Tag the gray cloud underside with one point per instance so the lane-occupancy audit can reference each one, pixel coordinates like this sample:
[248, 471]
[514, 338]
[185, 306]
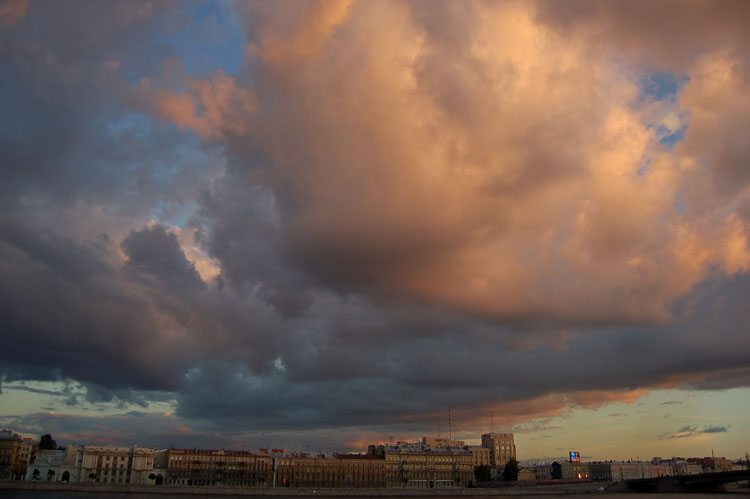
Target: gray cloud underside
[345, 360]
[693, 431]
[89, 291]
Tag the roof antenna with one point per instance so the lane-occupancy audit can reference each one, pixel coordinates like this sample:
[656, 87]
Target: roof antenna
[492, 422]
[450, 434]
[438, 423]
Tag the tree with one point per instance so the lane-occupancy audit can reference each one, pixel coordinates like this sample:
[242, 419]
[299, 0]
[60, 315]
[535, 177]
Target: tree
[556, 470]
[483, 473]
[46, 442]
[510, 473]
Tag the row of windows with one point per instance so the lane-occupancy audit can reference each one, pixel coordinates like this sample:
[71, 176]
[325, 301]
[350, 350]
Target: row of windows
[201, 465]
[223, 459]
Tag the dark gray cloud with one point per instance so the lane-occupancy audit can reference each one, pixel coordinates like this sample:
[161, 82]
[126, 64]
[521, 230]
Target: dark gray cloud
[714, 429]
[317, 319]
[155, 253]
[693, 431]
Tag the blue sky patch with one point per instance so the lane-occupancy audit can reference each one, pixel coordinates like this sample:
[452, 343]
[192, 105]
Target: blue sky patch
[212, 40]
[660, 85]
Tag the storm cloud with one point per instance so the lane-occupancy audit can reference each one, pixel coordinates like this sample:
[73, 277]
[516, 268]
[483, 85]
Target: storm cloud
[384, 208]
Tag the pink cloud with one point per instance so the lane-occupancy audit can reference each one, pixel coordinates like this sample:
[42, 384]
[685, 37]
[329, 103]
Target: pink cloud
[215, 107]
[498, 175]
[12, 11]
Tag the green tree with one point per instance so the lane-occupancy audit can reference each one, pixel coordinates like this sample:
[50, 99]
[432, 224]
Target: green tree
[46, 442]
[483, 473]
[510, 472]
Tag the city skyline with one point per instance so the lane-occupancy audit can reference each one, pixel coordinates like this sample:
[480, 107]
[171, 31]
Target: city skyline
[320, 223]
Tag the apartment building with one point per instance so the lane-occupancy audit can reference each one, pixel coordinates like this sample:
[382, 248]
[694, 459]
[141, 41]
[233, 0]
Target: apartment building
[480, 456]
[16, 452]
[232, 468]
[502, 448]
[337, 471]
[416, 465]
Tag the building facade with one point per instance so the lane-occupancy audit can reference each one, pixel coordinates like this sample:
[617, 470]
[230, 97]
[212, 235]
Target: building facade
[337, 471]
[16, 452]
[480, 456]
[619, 471]
[711, 464]
[416, 465]
[113, 464]
[502, 448]
[94, 464]
[526, 475]
[543, 472]
[218, 467]
[9, 446]
[576, 471]
[48, 465]
[441, 442]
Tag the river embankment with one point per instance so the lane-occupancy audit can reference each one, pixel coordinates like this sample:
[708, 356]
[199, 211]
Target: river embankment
[553, 489]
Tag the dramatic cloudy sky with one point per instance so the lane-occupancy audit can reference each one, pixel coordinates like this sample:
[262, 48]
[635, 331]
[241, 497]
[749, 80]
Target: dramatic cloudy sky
[314, 225]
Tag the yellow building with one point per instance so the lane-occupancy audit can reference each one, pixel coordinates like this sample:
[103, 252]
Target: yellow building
[337, 471]
[16, 452]
[502, 448]
[10, 445]
[480, 456]
[441, 442]
[419, 466]
[576, 471]
[218, 467]
[526, 475]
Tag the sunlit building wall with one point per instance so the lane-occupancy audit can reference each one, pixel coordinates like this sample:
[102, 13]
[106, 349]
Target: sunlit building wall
[194, 467]
[337, 471]
[419, 466]
[502, 448]
[480, 456]
[576, 471]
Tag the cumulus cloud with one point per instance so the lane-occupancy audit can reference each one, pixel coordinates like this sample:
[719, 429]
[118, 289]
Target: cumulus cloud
[387, 206]
[498, 181]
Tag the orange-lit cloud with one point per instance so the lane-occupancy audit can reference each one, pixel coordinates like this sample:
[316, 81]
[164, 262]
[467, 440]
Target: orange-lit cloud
[215, 108]
[11, 11]
[500, 174]
[383, 207]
